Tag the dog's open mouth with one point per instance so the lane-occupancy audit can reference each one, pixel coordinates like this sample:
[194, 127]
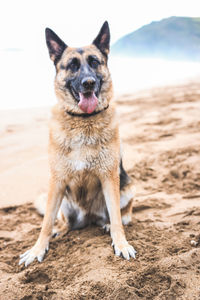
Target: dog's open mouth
[88, 102]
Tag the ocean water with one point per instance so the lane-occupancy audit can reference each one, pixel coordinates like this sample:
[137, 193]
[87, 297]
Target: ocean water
[130, 75]
[27, 76]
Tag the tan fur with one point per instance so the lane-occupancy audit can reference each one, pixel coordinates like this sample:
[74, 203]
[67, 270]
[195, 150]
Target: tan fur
[84, 157]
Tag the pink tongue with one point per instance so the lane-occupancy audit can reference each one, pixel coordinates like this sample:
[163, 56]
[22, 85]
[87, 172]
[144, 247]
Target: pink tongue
[88, 104]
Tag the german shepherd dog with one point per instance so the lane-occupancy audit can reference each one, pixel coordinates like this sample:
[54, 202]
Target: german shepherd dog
[88, 184]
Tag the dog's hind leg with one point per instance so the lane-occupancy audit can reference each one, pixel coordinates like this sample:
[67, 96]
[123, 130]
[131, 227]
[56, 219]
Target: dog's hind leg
[127, 192]
[62, 226]
[126, 213]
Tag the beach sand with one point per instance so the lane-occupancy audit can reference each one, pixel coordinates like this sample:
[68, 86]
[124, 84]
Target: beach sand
[160, 131]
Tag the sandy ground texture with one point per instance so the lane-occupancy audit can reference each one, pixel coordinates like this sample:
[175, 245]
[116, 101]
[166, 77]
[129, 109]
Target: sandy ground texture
[160, 130]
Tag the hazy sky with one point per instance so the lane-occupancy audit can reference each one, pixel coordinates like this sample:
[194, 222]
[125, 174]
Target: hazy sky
[22, 22]
[27, 76]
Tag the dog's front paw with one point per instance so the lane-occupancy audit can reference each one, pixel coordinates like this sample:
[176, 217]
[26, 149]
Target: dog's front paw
[37, 251]
[124, 249]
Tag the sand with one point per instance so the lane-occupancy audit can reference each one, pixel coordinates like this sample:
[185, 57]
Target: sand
[160, 131]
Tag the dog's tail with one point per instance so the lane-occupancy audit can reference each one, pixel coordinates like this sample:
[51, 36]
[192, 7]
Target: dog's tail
[40, 203]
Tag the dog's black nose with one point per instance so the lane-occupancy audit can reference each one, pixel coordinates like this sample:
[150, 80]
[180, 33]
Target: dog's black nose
[88, 83]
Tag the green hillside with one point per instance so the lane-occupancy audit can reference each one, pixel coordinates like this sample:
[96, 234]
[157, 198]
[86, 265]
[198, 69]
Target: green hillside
[172, 38]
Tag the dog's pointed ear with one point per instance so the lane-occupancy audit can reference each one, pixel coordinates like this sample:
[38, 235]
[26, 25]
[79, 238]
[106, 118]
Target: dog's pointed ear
[55, 45]
[102, 41]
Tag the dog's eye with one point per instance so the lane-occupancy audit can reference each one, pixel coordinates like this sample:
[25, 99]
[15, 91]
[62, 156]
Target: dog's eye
[74, 65]
[93, 62]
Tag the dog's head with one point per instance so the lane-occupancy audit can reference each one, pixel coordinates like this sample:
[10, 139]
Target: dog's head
[82, 83]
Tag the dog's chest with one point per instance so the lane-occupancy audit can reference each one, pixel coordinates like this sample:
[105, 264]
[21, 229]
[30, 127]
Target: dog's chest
[82, 152]
[86, 153]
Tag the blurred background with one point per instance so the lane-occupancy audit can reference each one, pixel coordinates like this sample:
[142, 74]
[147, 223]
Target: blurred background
[152, 42]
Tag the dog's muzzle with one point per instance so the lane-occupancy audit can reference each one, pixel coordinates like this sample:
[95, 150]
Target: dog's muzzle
[85, 90]
[88, 99]
[88, 83]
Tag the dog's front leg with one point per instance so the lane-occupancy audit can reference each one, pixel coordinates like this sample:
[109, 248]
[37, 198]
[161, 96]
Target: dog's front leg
[112, 197]
[55, 195]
